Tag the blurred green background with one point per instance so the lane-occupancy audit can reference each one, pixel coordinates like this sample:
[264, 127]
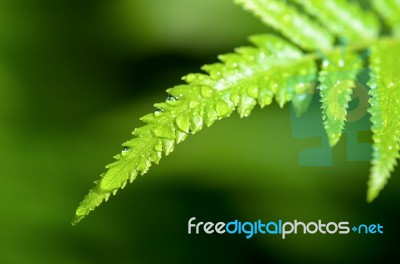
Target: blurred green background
[75, 76]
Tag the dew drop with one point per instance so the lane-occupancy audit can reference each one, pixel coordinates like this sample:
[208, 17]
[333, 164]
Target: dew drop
[159, 110]
[193, 104]
[215, 75]
[126, 149]
[325, 63]
[190, 78]
[300, 88]
[253, 91]
[222, 108]
[171, 98]
[206, 91]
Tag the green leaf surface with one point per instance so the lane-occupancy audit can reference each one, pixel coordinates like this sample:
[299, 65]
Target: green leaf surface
[275, 69]
[344, 19]
[241, 80]
[296, 26]
[385, 112]
[336, 83]
[390, 12]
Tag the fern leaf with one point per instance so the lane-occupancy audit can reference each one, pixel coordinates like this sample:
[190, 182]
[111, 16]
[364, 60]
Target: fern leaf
[292, 23]
[251, 75]
[336, 83]
[390, 12]
[385, 112]
[344, 19]
[275, 69]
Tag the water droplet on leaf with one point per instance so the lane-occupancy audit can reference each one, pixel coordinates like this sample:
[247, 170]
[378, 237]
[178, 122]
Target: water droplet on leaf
[171, 98]
[253, 91]
[222, 108]
[215, 75]
[193, 104]
[190, 78]
[206, 91]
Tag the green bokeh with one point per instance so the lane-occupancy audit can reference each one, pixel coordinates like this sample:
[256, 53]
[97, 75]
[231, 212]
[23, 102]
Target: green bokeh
[75, 76]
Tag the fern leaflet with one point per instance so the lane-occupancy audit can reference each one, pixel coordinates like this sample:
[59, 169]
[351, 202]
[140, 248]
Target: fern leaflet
[299, 28]
[344, 19]
[390, 12]
[385, 111]
[336, 83]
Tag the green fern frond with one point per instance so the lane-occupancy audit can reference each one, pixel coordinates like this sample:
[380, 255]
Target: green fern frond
[336, 82]
[251, 75]
[343, 18]
[385, 112]
[274, 68]
[390, 12]
[296, 26]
